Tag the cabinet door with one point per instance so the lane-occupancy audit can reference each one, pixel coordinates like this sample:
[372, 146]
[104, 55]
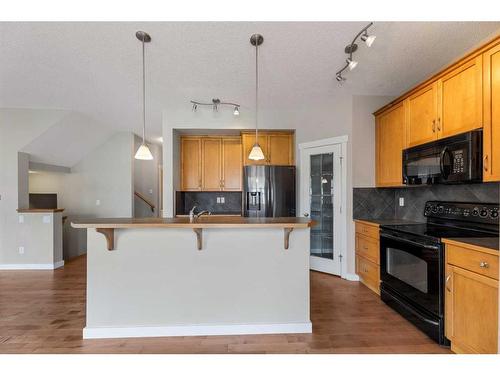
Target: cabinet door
[421, 115]
[460, 99]
[232, 164]
[471, 311]
[211, 175]
[491, 100]
[280, 149]
[248, 140]
[390, 142]
[191, 164]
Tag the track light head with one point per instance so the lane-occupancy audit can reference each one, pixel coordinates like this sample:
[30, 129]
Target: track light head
[352, 63]
[368, 39]
[236, 111]
[339, 77]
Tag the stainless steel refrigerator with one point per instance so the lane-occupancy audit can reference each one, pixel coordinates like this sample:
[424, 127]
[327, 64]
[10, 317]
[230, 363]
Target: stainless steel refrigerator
[268, 191]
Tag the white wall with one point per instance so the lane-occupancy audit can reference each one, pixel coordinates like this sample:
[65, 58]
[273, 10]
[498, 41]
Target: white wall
[146, 180]
[18, 127]
[105, 174]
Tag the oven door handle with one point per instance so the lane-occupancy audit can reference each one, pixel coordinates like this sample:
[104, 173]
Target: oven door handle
[385, 235]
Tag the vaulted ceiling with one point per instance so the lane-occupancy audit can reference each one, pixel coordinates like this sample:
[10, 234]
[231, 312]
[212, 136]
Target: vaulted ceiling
[95, 68]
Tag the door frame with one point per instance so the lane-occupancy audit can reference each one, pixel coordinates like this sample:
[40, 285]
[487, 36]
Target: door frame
[303, 183]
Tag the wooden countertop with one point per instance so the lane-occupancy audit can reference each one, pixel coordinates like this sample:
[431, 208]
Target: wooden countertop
[202, 222]
[488, 245]
[39, 210]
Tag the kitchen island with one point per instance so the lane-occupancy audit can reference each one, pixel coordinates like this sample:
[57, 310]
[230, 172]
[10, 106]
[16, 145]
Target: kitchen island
[214, 276]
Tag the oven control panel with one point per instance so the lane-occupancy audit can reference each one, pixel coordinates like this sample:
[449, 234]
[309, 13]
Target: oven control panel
[477, 212]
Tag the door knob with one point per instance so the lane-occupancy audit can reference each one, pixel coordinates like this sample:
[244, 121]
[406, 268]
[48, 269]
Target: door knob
[306, 215]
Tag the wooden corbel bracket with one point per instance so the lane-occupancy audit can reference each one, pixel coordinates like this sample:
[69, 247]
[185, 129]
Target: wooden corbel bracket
[109, 233]
[287, 232]
[199, 237]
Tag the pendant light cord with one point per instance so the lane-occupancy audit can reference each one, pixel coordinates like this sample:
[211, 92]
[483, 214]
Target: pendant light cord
[256, 90]
[143, 95]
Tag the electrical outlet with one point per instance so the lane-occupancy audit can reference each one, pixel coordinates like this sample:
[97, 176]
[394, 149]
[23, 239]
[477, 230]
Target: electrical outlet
[218, 200]
[98, 202]
[21, 219]
[21, 250]
[401, 201]
[222, 200]
[150, 191]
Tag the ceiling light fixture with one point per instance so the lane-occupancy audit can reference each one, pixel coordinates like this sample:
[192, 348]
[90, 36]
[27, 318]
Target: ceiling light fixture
[215, 104]
[353, 47]
[256, 152]
[143, 152]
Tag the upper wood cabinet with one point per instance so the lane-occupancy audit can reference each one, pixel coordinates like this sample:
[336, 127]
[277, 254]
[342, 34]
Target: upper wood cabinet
[190, 163]
[390, 142]
[421, 116]
[211, 163]
[460, 99]
[232, 164]
[491, 111]
[278, 148]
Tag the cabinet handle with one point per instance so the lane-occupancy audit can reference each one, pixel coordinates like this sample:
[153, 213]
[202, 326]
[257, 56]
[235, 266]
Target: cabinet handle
[434, 125]
[446, 282]
[199, 183]
[485, 163]
[484, 265]
[439, 124]
[365, 247]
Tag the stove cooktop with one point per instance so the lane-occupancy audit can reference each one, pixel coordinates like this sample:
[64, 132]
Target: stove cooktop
[439, 231]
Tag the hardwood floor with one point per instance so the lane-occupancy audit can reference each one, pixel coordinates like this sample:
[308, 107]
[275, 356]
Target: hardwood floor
[44, 312]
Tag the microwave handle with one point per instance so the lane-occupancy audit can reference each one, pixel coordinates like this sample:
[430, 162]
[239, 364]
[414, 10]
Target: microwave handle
[441, 162]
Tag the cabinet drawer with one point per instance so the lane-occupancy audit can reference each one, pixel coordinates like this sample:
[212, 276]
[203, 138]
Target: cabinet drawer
[369, 273]
[368, 230]
[472, 260]
[368, 247]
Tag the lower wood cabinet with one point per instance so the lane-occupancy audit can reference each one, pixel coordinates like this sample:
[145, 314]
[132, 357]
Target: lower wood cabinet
[211, 163]
[367, 254]
[471, 299]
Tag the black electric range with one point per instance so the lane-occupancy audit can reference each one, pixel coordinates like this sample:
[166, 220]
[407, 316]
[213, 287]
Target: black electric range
[412, 261]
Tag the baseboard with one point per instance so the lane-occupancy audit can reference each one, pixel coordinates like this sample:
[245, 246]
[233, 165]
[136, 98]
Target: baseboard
[351, 277]
[32, 266]
[195, 330]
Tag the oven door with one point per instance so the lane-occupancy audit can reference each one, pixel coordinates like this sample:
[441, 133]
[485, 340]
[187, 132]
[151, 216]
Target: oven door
[412, 270]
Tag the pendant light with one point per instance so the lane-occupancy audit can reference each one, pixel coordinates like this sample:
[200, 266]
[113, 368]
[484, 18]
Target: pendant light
[143, 152]
[256, 153]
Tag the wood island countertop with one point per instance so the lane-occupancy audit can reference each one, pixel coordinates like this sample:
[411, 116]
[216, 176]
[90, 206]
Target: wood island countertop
[202, 222]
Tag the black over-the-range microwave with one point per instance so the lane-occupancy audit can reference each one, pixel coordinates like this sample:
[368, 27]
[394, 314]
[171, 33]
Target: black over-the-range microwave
[452, 160]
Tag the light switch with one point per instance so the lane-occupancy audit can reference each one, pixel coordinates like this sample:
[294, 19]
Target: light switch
[21, 219]
[150, 191]
[46, 219]
[21, 250]
[218, 199]
[98, 202]
[222, 200]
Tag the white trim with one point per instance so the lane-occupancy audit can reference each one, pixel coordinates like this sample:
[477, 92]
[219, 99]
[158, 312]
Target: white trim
[32, 266]
[351, 277]
[324, 142]
[195, 330]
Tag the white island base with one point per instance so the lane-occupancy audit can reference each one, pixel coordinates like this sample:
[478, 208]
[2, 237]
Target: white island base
[155, 282]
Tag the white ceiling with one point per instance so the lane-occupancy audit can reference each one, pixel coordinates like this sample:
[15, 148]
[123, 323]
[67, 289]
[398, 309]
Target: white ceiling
[95, 68]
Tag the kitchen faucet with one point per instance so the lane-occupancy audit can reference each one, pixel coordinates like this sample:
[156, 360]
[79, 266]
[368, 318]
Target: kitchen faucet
[193, 216]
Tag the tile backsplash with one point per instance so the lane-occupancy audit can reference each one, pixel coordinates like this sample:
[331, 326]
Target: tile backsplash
[383, 203]
[207, 200]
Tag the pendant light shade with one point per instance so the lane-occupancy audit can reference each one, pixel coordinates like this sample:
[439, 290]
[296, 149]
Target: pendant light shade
[256, 152]
[143, 152]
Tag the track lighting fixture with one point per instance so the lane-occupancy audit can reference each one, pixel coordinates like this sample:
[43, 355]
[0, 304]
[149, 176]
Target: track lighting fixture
[368, 39]
[215, 104]
[351, 63]
[353, 47]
